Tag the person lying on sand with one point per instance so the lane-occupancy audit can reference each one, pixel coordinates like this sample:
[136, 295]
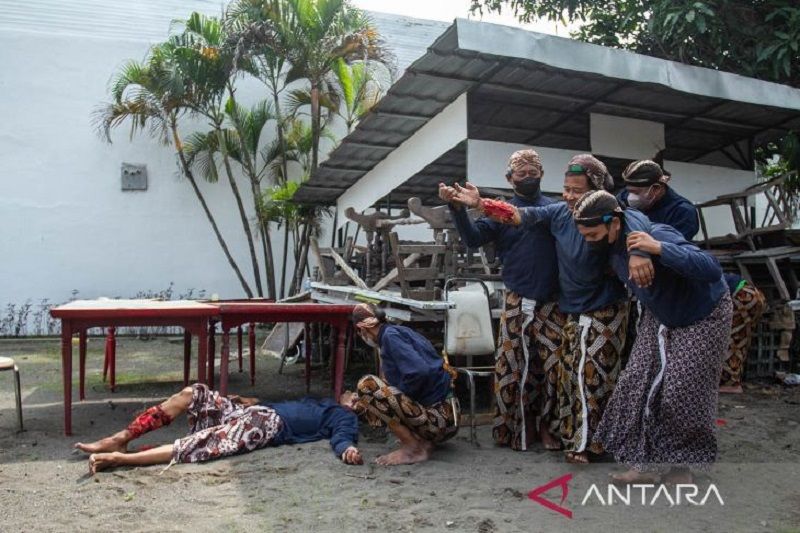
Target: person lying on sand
[221, 426]
[413, 396]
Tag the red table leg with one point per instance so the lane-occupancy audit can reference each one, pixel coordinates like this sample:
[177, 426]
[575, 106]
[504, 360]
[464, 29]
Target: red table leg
[224, 362]
[82, 364]
[112, 356]
[201, 330]
[338, 382]
[106, 360]
[212, 351]
[307, 342]
[66, 373]
[239, 344]
[187, 355]
[251, 335]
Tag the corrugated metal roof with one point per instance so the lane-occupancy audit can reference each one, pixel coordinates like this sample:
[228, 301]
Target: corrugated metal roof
[536, 89]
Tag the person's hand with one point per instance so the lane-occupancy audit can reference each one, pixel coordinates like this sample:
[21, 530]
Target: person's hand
[639, 240]
[352, 456]
[467, 195]
[447, 193]
[243, 400]
[641, 270]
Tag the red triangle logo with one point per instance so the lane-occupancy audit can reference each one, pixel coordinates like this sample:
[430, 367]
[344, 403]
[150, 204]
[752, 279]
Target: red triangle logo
[562, 482]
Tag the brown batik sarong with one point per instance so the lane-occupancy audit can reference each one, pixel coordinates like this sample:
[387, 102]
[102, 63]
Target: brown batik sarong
[748, 305]
[381, 404]
[588, 371]
[220, 427]
[526, 370]
[663, 411]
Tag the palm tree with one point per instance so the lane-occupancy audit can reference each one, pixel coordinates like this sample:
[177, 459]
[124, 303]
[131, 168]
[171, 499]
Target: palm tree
[151, 96]
[201, 53]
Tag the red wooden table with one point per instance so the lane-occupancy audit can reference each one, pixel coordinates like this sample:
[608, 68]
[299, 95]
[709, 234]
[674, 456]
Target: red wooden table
[234, 314]
[78, 316]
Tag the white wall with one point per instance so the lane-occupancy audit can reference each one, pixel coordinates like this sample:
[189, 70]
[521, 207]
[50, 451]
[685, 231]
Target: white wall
[66, 223]
[487, 162]
[437, 136]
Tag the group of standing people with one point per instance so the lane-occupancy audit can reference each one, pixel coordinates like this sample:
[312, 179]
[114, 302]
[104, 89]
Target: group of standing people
[571, 270]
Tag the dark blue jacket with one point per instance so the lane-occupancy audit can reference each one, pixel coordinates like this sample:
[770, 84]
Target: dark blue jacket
[585, 282]
[312, 419]
[410, 363]
[673, 210]
[528, 257]
[688, 282]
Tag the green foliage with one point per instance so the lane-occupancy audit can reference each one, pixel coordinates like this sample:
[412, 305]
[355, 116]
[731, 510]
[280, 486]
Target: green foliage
[322, 46]
[758, 38]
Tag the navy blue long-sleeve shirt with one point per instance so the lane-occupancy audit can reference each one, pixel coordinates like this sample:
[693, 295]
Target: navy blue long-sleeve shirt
[584, 280]
[530, 267]
[673, 210]
[688, 282]
[313, 419]
[410, 363]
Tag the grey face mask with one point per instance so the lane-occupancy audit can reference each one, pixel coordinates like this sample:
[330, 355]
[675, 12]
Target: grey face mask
[640, 202]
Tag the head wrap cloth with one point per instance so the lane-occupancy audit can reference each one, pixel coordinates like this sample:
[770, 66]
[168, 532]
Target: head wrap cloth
[594, 170]
[644, 173]
[523, 158]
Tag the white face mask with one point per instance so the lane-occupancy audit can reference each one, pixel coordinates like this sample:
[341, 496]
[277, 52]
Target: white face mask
[640, 202]
[368, 341]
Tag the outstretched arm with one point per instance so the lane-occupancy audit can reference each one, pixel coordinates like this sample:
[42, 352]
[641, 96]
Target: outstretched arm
[473, 233]
[344, 435]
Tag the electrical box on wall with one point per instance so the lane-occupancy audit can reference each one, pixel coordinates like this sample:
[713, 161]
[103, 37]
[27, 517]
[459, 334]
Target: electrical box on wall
[134, 177]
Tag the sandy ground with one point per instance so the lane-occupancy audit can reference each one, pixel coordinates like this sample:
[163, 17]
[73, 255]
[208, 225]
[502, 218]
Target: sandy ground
[45, 487]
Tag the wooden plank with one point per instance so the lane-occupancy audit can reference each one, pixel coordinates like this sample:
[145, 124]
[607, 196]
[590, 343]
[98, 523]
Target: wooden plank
[392, 275]
[422, 248]
[776, 275]
[422, 274]
[349, 272]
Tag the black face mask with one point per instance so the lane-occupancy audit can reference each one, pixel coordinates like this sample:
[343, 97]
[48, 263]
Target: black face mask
[600, 246]
[528, 187]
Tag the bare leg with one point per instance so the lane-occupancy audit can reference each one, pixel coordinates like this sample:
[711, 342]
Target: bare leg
[634, 476]
[118, 442]
[731, 389]
[679, 476]
[412, 448]
[155, 456]
[548, 440]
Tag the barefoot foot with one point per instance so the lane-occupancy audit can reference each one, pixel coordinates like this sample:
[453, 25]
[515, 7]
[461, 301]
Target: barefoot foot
[549, 441]
[406, 455]
[678, 476]
[577, 458]
[108, 444]
[102, 461]
[731, 389]
[632, 476]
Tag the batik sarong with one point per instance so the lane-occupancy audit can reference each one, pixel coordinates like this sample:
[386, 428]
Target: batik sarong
[220, 427]
[588, 372]
[526, 370]
[382, 404]
[748, 305]
[663, 411]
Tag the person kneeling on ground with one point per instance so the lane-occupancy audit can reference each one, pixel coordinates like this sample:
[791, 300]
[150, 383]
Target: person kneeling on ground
[413, 396]
[221, 426]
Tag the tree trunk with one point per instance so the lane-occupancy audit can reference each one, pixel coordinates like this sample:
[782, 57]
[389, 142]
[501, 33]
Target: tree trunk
[285, 257]
[188, 173]
[300, 266]
[315, 118]
[242, 213]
